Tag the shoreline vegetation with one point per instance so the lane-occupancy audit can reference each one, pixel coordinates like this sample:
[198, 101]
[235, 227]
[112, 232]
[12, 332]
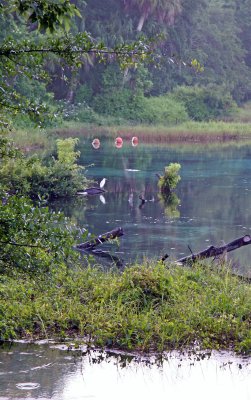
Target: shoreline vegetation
[145, 308]
[56, 80]
[152, 307]
[205, 132]
[211, 133]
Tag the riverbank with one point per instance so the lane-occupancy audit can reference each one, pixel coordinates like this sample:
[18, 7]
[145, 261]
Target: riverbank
[144, 308]
[211, 133]
[205, 132]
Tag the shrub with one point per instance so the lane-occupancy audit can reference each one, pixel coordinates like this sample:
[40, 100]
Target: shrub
[205, 103]
[163, 110]
[61, 177]
[119, 103]
[83, 95]
[153, 110]
[33, 239]
[170, 179]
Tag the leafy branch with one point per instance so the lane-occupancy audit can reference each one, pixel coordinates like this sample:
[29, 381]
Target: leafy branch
[22, 245]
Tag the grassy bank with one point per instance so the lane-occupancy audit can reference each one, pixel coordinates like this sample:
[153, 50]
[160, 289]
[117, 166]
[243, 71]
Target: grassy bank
[214, 131]
[31, 139]
[145, 308]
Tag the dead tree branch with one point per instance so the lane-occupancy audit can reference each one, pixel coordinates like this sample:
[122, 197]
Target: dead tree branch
[117, 232]
[213, 251]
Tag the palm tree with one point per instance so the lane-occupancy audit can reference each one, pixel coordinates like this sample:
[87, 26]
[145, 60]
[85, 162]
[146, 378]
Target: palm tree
[162, 10]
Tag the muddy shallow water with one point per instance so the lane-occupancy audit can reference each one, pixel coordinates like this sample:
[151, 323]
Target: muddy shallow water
[56, 372]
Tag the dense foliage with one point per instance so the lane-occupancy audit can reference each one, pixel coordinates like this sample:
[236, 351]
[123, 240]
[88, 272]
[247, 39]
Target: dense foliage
[42, 65]
[33, 239]
[59, 176]
[214, 32]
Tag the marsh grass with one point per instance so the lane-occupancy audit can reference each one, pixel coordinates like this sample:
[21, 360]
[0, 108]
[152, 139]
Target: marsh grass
[144, 308]
[209, 132]
[31, 139]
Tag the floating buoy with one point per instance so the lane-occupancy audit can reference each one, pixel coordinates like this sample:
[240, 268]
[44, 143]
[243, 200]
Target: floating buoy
[135, 141]
[96, 143]
[118, 142]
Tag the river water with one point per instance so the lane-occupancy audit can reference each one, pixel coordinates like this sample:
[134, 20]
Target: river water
[49, 371]
[211, 204]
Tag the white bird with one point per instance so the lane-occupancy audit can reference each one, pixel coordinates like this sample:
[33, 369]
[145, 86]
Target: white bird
[102, 183]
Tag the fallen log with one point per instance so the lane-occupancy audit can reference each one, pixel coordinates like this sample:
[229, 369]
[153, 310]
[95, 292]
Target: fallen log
[90, 244]
[213, 251]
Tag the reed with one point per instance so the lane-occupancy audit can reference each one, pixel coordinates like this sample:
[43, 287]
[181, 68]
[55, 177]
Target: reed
[214, 131]
[31, 139]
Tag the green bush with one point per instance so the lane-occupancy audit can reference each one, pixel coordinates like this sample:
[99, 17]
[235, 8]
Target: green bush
[33, 239]
[62, 177]
[170, 179]
[86, 114]
[34, 90]
[205, 103]
[40, 109]
[83, 95]
[153, 110]
[163, 110]
[119, 103]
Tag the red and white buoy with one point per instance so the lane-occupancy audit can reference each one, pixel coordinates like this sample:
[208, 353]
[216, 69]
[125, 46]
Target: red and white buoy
[96, 143]
[118, 142]
[135, 141]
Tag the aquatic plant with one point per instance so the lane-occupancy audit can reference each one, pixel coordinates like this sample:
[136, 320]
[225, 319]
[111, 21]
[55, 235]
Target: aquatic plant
[170, 179]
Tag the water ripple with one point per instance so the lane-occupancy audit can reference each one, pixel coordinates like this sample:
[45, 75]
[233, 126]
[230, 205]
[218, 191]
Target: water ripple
[27, 385]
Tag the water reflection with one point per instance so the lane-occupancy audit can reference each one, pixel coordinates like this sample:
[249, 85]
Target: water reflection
[47, 372]
[170, 204]
[211, 203]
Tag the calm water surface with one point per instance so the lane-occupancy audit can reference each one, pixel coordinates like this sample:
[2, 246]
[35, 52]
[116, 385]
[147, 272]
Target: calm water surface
[46, 372]
[212, 202]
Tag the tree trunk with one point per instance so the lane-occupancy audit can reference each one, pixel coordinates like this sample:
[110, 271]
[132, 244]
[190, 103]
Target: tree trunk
[141, 22]
[139, 29]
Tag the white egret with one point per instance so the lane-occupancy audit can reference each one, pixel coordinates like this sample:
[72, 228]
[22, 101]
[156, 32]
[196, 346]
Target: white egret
[102, 183]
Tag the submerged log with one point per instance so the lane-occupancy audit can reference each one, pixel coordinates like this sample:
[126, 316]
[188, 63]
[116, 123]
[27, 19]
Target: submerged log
[213, 251]
[117, 232]
[110, 257]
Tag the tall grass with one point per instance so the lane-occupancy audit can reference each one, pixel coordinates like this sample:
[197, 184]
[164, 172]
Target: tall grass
[214, 131]
[31, 139]
[144, 308]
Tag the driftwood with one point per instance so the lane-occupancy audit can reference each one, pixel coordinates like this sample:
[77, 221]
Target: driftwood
[89, 246]
[213, 251]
